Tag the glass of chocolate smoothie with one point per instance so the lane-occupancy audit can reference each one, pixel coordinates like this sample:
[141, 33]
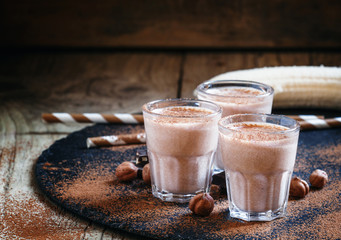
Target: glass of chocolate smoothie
[182, 136]
[236, 96]
[258, 152]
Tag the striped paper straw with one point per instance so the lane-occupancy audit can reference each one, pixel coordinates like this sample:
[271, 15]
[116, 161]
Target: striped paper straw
[309, 124]
[125, 118]
[305, 117]
[114, 140]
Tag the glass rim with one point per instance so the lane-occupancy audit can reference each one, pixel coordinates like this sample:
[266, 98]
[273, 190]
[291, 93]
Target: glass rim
[201, 88]
[292, 129]
[217, 111]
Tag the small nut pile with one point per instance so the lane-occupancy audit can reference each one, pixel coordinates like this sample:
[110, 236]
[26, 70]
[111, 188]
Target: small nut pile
[300, 188]
[127, 171]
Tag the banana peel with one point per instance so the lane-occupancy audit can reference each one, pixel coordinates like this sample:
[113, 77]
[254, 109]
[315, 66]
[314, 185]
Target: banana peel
[296, 86]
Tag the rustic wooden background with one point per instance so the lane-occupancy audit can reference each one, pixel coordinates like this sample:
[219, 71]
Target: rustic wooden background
[171, 23]
[112, 56]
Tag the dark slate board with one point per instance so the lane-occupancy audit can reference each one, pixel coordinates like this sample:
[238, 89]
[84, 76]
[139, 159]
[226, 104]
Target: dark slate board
[82, 181]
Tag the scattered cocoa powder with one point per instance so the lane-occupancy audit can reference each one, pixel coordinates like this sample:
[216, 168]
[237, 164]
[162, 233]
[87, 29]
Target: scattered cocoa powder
[327, 225]
[49, 166]
[27, 216]
[8, 153]
[333, 152]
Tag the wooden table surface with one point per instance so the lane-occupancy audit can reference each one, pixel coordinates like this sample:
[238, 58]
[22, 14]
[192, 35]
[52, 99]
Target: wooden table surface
[34, 82]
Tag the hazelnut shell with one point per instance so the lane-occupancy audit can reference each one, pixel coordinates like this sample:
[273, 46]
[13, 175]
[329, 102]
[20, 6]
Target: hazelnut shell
[298, 187]
[146, 174]
[126, 171]
[318, 178]
[202, 204]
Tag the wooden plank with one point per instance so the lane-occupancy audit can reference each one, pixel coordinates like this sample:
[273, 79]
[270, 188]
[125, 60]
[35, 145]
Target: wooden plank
[24, 212]
[201, 66]
[7, 155]
[24, 206]
[326, 58]
[81, 82]
[191, 23]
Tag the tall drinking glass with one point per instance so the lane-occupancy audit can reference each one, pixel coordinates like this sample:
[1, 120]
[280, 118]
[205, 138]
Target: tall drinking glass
[258, 153]
[236, 96]
[182, 136]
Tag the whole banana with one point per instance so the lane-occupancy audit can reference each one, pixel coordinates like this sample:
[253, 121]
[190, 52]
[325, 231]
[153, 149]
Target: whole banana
[296, 86]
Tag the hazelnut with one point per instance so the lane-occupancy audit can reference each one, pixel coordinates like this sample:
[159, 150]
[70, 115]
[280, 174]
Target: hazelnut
[202, 204]
[318, 178]
[298, 187]
[126, 171]
[146, 174]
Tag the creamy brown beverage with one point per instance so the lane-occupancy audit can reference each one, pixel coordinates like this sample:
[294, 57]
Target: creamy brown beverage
[181, 142]
[259, 158]
[234, 97]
